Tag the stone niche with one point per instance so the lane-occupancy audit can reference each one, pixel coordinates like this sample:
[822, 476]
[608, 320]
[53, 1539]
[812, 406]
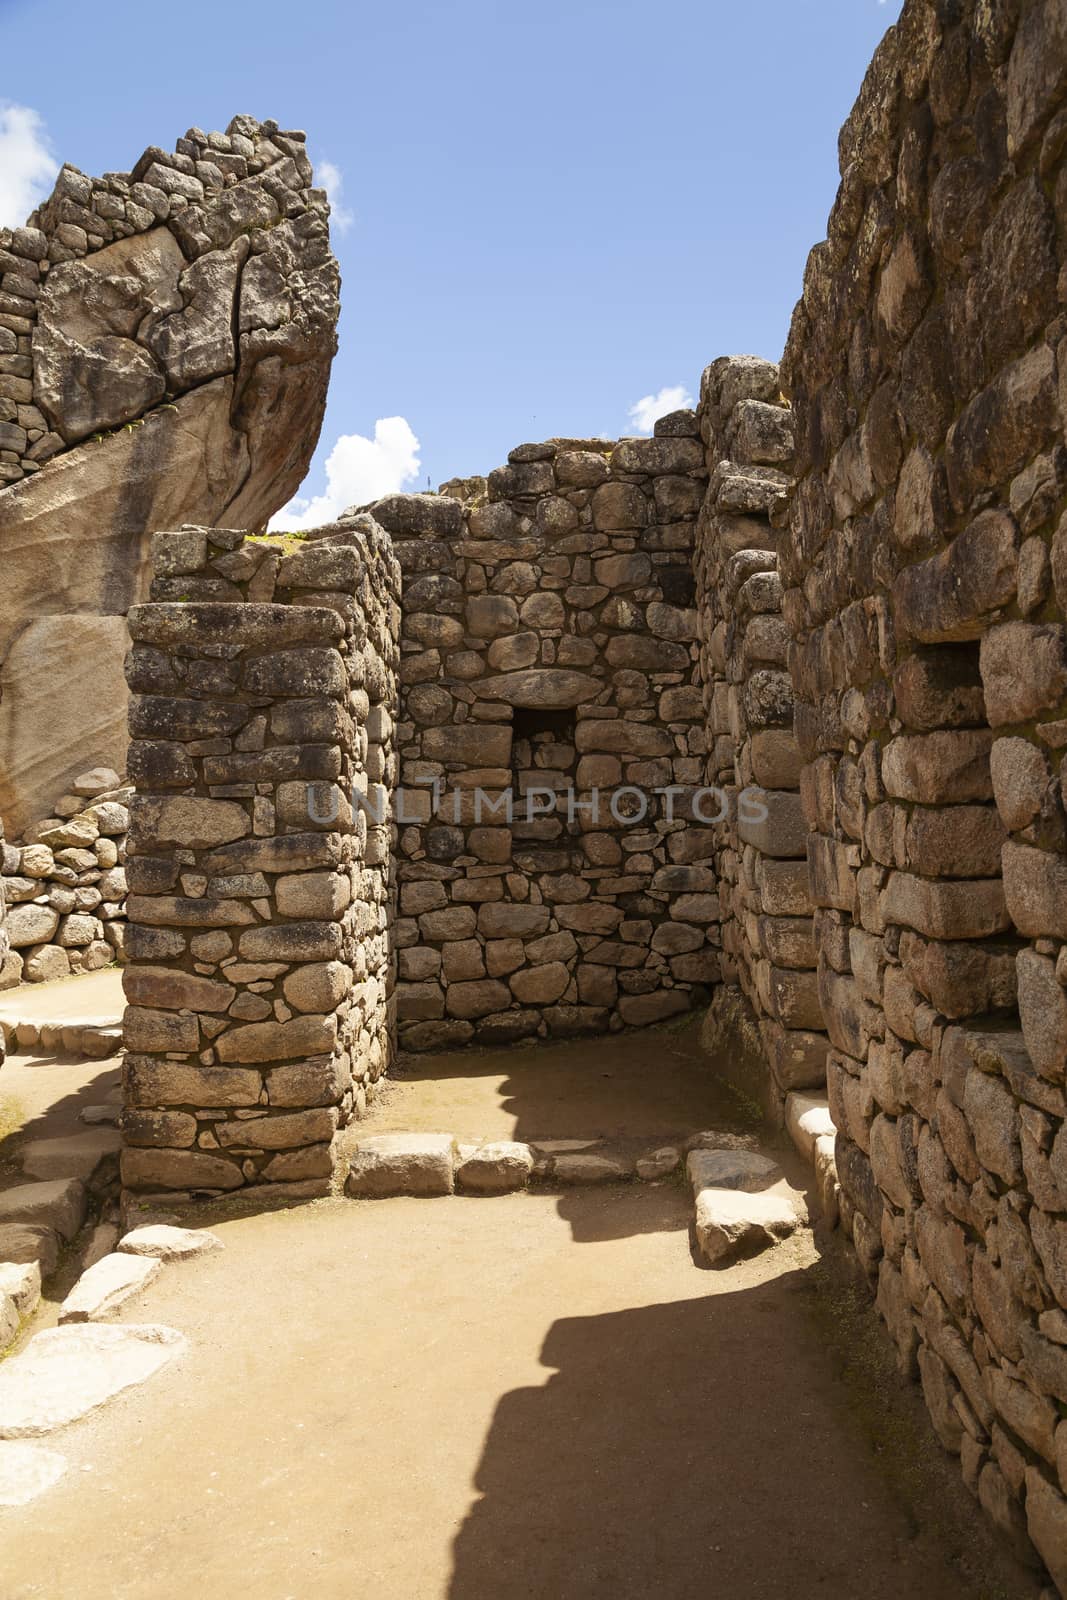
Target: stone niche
[549, 665]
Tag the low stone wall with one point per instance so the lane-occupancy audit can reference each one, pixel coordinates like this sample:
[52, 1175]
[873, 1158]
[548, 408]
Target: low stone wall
[752, 754]
[926, 589]
[64, 884]
[549, 663]
[260, 900]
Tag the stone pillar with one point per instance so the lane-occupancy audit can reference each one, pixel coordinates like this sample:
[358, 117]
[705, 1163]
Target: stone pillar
[259, 899]
[752, 754]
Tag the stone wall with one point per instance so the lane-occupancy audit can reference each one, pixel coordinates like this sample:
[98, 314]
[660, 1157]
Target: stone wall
[769, 990]
[259, 899]
[926, 587]
[165, 345]
[548, 643]
[64, 884]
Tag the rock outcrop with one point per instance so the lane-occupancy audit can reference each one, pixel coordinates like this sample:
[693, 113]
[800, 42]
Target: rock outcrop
[165, 346]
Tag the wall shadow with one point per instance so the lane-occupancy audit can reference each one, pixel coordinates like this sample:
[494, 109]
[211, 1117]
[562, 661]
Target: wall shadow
[691, 1451]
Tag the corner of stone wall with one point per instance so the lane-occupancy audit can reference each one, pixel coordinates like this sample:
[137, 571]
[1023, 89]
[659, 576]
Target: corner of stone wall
[258, 979]
[770, 989]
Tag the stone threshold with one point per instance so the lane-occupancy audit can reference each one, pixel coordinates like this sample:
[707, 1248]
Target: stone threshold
[75, 1038]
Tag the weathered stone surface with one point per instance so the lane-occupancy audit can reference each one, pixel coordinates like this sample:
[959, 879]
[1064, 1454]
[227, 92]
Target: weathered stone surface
[26, 1471]
[734, 1222]
[65, 1372]
[21, 1283]
[58, 1204]
[177, 1169]
[107, 1285]
[402, 1163]
[494, 1168]
[590, 1166]
[731, 1169]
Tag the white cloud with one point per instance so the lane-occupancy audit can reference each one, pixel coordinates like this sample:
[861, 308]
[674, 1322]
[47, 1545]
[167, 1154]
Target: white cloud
[332, 180]
[648, 410]
[27, 166]
[357, 470]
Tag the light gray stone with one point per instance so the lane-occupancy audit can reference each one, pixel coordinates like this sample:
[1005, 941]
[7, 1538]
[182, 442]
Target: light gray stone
[106, 1285]
[167, 1243]
[65, 1372]
[402, 1163]
[733, 1222]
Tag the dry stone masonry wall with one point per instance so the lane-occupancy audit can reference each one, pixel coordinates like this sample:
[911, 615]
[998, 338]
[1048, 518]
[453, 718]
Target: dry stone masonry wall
[769, 990]
[259, 898]
[64, 885]
[549, 664]
[926, 589]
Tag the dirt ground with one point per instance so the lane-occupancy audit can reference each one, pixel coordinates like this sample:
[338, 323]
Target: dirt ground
[536, 1396]
[649, 1085]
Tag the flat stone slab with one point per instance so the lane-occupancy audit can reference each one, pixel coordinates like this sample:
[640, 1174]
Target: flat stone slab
[494, 1168]
[76, 1156]
[21, 1282]
[104, 1286]
[92, 1116]
[65, 1372]
[402, 1163]
[168, 1244]
[731, 1169]
[58, 1204]
[27, 1470]
[587, 1167]
[733, 1222]
[807, 1116]
[26, 1242]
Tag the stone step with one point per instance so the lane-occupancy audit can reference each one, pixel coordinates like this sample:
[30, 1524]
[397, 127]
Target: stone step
[78, 1155]
[77, 1038]
[388, 1164]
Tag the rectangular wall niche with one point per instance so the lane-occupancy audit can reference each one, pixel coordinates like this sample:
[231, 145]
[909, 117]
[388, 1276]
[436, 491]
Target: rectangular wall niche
[548, 641]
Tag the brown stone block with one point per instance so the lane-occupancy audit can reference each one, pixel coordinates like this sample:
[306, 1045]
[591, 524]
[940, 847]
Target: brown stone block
[954, 842]
[178, 1169]
[148, 1030]
[851, 1021]
[292, 941]
[174, 990]
[152, 1082]
[1024, 670]
[162, 910]
[954, 595]
[1035, 887]
[958, 909]
[186, 820]
[285, 1132]
[939, 768]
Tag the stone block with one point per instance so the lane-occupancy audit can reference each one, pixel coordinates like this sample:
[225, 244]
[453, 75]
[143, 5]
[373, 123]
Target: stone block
[107, 1285]
[498, 1167]
[402, 1163]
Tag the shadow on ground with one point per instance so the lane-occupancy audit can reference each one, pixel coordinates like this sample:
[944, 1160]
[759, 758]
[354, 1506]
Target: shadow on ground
[708, 1448]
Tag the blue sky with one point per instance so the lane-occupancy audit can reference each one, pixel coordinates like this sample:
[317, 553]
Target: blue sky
[553, 210]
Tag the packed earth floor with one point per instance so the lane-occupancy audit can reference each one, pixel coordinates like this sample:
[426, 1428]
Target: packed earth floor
[538, 1395]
